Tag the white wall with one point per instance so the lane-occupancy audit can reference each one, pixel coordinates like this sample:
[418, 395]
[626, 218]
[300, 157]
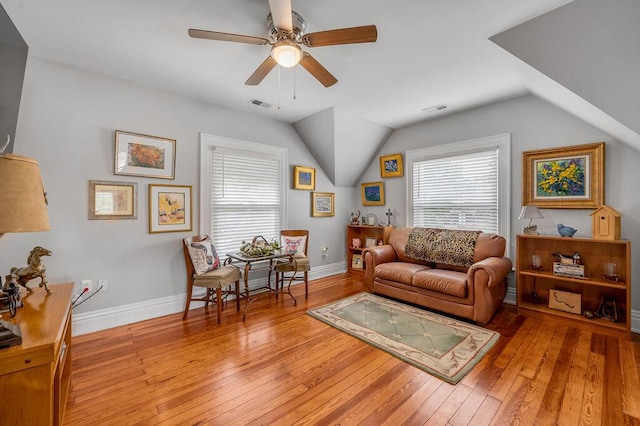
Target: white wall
[533, 124]
[67, 121]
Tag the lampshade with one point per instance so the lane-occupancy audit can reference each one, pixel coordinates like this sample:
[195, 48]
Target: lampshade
[286, 53]
[530, 212]
[22, 197]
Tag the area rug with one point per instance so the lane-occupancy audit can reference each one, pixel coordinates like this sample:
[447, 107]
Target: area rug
[441, 346]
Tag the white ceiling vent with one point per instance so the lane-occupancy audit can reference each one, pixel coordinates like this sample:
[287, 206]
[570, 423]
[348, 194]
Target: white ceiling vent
[259, 103]
[435, 108]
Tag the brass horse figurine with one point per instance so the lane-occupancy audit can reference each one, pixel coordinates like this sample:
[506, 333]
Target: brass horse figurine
[34, 269]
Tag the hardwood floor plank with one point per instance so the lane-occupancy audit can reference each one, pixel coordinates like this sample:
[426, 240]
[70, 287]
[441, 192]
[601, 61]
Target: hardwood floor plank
[469, 408]
[282, 367]
[631, 383]
[591, 413]
[572, 402]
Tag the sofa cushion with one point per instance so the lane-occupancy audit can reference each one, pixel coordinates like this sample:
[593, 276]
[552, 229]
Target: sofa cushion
[453, 283]
[203, 255]
[399, 271]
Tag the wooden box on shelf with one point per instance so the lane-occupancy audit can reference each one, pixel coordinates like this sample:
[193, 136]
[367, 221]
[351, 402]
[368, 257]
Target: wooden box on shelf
[362, 233]
[534, 283]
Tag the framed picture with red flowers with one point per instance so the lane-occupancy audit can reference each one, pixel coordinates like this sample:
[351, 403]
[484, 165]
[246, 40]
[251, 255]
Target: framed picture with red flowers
[144, 155]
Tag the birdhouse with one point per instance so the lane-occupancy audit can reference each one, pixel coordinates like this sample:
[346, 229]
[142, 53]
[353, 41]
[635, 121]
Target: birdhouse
[606, 223]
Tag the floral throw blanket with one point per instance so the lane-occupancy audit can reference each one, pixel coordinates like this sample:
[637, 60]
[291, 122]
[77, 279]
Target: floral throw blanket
[446, 246]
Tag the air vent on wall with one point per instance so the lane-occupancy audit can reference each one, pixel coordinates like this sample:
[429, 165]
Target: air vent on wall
[259, 103]
[435, 108]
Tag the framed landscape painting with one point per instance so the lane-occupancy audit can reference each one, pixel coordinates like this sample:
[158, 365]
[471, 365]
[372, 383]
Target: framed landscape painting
[372, 194]
[169, 208]
[144, 155]
[570, 177]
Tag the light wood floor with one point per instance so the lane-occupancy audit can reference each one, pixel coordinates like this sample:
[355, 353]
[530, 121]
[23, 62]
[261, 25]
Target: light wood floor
[284, 367]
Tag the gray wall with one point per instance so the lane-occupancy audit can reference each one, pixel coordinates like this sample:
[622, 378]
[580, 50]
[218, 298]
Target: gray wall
[68, 117]
[67, 121]
[533, 124]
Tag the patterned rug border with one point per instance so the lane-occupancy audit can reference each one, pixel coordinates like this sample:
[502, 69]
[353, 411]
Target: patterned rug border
[481, 340]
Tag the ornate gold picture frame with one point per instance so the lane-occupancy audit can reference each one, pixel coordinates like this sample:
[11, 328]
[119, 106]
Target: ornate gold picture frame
[304, 178]
[322, 204]
[372, 194]
[570, 177]
[391, 166]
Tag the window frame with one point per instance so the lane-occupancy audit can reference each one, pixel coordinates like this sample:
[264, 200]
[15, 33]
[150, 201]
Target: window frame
[207, 143]
[500, 142]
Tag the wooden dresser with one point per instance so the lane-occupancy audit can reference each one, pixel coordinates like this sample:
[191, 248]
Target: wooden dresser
[35, 376]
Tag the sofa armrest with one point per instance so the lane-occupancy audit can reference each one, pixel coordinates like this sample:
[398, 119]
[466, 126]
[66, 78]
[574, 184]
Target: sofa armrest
[496, 268]
[376, 255]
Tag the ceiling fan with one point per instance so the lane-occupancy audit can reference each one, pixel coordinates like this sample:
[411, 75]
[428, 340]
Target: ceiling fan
[286, 29]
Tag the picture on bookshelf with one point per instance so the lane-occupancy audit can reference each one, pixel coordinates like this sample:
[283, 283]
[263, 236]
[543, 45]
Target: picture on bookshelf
[565, 301]
[369, 241]
[356, 261]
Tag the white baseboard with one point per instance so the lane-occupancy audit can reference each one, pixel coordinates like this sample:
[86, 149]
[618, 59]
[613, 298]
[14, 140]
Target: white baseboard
[510, 299]
[102, 319]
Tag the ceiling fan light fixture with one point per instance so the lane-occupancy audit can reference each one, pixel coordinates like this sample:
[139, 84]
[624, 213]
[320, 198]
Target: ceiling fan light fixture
[286, 53]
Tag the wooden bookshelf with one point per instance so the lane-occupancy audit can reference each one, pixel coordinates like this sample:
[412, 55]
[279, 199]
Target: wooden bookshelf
[363, 232]
[593, 254]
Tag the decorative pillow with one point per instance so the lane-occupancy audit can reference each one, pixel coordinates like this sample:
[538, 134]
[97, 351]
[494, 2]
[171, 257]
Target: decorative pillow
[293, 245]
[203, 256]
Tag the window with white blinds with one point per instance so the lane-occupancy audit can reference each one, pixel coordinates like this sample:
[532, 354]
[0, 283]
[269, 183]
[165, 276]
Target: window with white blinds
[245, 194]
[461, 186]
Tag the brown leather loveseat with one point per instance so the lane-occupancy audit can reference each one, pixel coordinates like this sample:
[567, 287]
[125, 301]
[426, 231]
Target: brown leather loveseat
[458, 272]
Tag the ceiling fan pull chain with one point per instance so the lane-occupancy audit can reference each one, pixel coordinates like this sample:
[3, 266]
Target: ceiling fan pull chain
[294, 84]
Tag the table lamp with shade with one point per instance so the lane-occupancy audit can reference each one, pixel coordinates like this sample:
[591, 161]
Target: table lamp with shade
[530, 212]
[23, 208]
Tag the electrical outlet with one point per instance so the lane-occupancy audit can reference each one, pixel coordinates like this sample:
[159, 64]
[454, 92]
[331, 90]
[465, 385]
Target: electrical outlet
[87, 284]
[103, 284]
[325, 251]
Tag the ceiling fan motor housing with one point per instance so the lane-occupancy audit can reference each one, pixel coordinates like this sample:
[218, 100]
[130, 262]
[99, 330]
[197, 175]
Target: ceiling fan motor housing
[298, 24]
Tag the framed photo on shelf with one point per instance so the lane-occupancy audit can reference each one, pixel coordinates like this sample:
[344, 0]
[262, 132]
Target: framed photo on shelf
[356, 261]
[322, 204]
[370, 241]
[169, 208]
[570, 177]
[372, 194]
[304, 178]
[113, 200]
[144, 155]
[391, 166]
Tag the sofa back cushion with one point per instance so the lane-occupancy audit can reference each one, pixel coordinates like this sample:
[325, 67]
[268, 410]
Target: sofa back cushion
[487, 245]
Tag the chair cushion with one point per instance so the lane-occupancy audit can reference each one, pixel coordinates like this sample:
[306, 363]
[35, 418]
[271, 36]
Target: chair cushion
[219, 277]
[301, 264]
[293, 244]
[203, 255]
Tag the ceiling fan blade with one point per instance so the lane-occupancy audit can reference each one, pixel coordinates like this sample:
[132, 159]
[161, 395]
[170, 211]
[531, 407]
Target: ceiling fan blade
[364, 34]
[238, 38]
[281, 14]
[262, 71]
[314, 67]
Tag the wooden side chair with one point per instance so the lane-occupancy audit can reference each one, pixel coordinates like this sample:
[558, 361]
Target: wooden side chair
[204, 270]
[297, 242]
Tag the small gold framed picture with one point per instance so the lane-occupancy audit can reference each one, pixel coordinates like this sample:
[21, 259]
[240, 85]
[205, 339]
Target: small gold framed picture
[391, 166]
[322, 204]
[304, 178]
[113, 200]
[372, 194]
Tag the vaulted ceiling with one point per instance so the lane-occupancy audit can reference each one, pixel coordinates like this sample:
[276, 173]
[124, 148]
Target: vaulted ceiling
[428, 53]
